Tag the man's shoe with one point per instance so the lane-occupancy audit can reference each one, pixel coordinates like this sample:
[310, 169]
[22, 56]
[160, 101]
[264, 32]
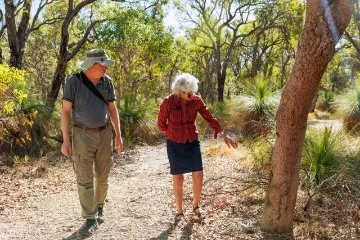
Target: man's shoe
[88, 228]
[101, 216]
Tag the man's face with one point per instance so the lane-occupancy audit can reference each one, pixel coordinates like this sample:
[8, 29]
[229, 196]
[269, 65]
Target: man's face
[98, 69]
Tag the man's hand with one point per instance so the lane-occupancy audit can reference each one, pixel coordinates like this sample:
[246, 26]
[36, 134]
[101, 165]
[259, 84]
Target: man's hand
[65, 122]
[118, 145]
[66, 149]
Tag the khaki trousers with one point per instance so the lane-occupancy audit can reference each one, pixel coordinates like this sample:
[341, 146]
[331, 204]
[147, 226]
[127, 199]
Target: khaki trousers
[92, 158]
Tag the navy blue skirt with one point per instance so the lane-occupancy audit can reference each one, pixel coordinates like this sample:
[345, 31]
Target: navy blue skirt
[184, 157]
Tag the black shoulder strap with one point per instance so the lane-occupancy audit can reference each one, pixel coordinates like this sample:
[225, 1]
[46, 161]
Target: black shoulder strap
[90, 86]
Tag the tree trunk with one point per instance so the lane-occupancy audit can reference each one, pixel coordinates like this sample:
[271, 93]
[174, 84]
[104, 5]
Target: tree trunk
[17, 36]
[324, 24]
[64, 55]
[59, 75]
[221, 84]
[58, 79]
[1, 56]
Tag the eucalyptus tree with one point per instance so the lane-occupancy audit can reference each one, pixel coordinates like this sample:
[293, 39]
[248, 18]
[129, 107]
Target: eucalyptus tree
[325, 22]
[67, 50]
[19, 24]
[142, 49]
[270, 53]
[201, 62]
[227, 24]
[2, 31]
[353, 33]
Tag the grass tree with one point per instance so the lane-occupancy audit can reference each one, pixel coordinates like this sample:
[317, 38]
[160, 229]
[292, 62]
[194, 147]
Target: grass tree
[259, 100]
[258, 103]
[326, 100]
[322, 154]
[348, 105]
[329, 164]
[137, 124]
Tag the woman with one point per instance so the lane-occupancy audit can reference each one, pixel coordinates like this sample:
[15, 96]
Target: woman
[177, 119]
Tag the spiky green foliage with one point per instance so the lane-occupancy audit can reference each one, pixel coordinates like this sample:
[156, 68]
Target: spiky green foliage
[138, 122]
[330, 161]
[130, 118]
[348, 105]
[322, 154]
[326, 100]
[259, 100]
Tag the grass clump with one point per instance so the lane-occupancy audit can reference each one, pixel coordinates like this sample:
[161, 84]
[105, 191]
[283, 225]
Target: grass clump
[348, 105]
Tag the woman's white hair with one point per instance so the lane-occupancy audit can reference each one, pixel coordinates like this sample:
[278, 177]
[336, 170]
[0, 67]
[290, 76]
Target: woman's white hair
[185, 82]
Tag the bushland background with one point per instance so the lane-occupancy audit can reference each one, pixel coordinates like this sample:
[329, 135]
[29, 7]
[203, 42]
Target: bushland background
[242, 52]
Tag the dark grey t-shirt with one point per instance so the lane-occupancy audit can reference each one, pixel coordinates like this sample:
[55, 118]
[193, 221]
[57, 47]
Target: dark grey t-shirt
[88, 109]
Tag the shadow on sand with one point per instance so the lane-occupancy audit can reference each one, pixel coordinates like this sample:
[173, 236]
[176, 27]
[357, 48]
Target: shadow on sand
[186, 230]
[77, 236]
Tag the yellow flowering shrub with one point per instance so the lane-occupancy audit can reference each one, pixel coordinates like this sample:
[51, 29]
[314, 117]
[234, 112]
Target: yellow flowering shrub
[12, 90]
[14, 122]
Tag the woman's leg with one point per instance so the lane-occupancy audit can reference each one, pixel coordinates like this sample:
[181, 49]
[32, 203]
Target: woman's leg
[197, 187]
[178, 181]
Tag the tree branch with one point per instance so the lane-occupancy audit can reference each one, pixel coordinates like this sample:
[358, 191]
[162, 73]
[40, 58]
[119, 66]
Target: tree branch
[80, 6]
[77, 46]
[36, 16]
[23, 25]
[46, 22]
[353, 43]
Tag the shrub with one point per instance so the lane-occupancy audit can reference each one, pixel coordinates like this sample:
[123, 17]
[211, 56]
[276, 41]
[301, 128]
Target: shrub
[12, 90]
[260, 152]
[14, 122]
[21, 128]
[135, 125]
[330, 165]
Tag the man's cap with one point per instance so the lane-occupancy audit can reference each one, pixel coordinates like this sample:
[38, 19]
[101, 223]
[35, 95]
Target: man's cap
[96, 56]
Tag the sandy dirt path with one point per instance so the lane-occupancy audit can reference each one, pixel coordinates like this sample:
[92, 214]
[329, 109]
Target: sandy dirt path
[140, 204]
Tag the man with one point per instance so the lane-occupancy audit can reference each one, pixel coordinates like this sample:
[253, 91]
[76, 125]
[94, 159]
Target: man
[91, 146]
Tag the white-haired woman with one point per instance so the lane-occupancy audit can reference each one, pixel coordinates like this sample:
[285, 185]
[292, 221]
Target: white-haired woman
[177, 119]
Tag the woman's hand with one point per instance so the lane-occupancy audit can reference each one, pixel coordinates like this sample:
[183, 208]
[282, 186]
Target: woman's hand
[230, 142]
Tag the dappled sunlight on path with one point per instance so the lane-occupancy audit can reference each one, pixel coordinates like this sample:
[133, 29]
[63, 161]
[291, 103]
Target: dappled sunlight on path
[334, 124]
[140, 204]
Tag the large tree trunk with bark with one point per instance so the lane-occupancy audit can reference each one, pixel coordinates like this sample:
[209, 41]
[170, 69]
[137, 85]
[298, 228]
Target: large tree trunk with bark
[59, 75]
[64, 54]
[326, 20]
[19, 26]
[221, 86]
[58, 79]
[17, 35]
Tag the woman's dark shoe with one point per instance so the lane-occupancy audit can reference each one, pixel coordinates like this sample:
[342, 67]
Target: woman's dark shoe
[197, 211]
[88, 228]
[179, 216]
